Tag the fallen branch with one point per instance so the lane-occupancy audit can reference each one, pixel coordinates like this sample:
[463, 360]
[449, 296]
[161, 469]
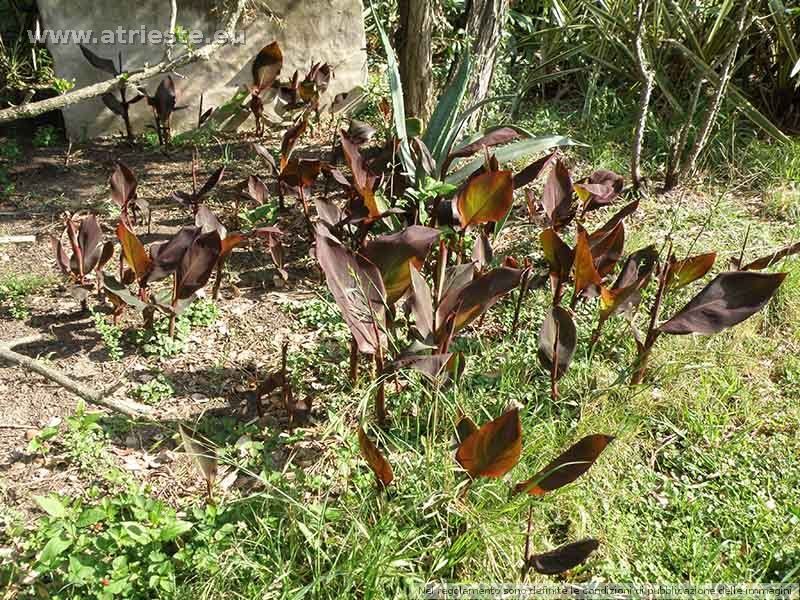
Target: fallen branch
[17, 239]
[35, 109]
[128, 408]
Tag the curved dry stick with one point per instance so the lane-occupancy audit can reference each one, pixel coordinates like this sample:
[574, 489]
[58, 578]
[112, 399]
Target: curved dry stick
[128, 408]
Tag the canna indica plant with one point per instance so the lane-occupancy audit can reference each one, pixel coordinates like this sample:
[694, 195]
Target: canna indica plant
[494, 449]
[728, 300]
[89, 253]
[266, 67]
[119, 106]
[194, 199]
[163, 104]
[190, 257]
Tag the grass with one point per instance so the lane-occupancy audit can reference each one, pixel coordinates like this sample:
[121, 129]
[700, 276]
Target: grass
[700, 484]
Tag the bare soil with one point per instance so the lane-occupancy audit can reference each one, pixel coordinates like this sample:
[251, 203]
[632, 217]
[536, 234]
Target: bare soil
[218, 373]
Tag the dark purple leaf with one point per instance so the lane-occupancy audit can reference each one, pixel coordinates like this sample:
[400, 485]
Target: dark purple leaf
[104, 64]
[770, 259]
[210, 183]
[728, 300]
[531, 173]
[197, 264]
[496, 137]
[557, 197]
[557, 334]
[123, 185]
[478, 296]
[112, 104]
[395, 253]
[357, 287]
[563, 558]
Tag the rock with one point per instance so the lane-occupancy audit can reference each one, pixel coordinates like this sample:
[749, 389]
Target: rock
[310, 31]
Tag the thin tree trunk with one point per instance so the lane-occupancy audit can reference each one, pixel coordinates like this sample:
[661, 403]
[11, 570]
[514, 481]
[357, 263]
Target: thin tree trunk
[716, 104]
[34, 109]
[676, 154]
[413, 41]
[485, 25]
[648, 78]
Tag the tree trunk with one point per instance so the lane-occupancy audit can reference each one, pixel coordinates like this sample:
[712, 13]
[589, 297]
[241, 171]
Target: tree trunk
[648, 78]
[413, 41]
[485, 25]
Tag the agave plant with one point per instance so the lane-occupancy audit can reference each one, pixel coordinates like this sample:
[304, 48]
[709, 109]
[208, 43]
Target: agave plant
[441, 136]
[119, 106]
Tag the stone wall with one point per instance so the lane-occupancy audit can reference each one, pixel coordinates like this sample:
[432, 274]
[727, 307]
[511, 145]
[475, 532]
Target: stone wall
[308, 31]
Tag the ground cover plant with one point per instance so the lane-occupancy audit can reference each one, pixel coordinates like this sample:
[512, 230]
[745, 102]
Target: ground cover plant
[357, 352]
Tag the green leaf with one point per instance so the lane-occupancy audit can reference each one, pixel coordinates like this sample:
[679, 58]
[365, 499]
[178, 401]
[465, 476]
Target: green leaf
[444, 115]
[137, 532]
[735, 96]
[398, 105]
[52, 506]
[90, 516]
[78, 572]
[175, 530]
[513, 152]
[779, 14]
[53, 549]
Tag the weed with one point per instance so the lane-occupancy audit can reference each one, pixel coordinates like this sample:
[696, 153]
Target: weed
[157, 340]
[202, 313]
[14, 290]
[155, 391]
[45, 136]
[10, 150]
[110, 334]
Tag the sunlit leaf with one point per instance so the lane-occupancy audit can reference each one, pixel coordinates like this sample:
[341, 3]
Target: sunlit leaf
[475, 298]
[557, 341]
[494, 449]
[587, 279]
[599, 189]
[266, 66]
[134, 252]
[376, 461]
[567, 467]
[728, 300]
[290, 140]
[683, 272]
[486, 198]
[394, 254]
[770, 259]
